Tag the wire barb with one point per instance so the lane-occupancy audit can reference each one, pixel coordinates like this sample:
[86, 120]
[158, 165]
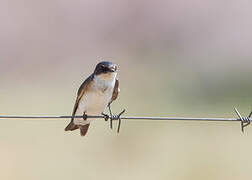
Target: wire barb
[119, 120]
[245, 121]
[113, 118]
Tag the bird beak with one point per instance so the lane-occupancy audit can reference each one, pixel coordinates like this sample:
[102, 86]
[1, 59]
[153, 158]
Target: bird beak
[113, 68]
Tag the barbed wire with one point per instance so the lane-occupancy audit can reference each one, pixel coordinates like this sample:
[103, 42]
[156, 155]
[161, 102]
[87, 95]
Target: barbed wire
[245, 121]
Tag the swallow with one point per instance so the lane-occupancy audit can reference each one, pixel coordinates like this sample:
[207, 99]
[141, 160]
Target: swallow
[96, 93]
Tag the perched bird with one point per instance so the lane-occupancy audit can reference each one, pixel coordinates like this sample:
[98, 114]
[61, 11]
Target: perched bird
[94, 95]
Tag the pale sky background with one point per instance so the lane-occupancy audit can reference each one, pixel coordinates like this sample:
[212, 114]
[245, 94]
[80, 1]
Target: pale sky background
[175, 58]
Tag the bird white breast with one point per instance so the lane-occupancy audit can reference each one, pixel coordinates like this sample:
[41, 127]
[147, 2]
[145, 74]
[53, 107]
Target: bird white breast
[96, 98]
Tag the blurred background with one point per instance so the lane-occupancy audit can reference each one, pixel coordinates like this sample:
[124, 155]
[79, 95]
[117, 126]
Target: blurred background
[176, 58]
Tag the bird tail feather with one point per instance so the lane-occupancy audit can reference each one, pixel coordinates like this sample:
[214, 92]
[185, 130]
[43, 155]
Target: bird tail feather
[84, 129]
[71, 126]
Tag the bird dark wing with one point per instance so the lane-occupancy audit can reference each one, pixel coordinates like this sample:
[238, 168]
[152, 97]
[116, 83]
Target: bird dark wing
[115, 92]
[71, 126]
[81, 92]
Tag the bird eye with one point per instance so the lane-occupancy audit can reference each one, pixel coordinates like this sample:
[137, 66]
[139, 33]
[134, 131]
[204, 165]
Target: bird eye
[104, 68]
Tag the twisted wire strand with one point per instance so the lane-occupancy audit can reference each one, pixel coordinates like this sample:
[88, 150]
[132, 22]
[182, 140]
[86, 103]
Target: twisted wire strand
[245, 121]
[122, 117]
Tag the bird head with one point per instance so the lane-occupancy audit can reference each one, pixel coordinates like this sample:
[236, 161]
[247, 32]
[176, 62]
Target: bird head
[105, 67]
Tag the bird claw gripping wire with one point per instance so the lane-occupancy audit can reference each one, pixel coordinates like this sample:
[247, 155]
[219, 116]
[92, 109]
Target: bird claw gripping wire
[245, 121]
[84, 116]
[105, 116]
[112, 118]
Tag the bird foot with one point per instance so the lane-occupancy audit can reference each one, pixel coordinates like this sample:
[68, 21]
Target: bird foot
[84, 117]
[106, 116]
